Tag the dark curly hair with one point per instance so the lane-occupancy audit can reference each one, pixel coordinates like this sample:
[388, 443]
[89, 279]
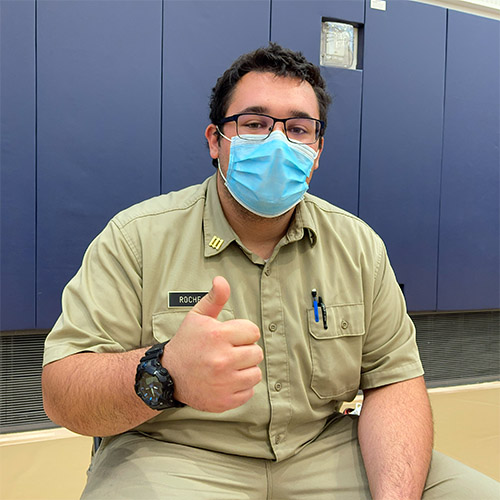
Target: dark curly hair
[272, 59]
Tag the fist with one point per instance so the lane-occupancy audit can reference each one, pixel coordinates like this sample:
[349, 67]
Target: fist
[214, 364]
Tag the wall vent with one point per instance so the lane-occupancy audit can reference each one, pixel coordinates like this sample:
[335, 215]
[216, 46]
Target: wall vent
[21, 405]
[459, 348]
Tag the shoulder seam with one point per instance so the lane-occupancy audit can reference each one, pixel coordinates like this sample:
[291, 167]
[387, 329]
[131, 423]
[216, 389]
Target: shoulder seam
[379, 259]
[339, 211]
[120, 225]
[129, 242]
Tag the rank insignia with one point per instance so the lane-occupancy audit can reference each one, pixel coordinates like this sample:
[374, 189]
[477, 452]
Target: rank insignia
[216, 242]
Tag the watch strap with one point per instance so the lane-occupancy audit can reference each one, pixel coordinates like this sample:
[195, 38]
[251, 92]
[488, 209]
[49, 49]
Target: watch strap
[150, 363]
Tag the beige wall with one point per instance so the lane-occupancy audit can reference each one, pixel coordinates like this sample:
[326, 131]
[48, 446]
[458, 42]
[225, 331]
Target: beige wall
[51, 464]
[43, 465]
[467, 426]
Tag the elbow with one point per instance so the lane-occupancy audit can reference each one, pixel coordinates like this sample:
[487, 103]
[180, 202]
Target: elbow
[56, 398]
[50, 391]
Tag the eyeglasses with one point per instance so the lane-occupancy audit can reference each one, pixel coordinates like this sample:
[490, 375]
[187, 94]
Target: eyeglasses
[297, 129]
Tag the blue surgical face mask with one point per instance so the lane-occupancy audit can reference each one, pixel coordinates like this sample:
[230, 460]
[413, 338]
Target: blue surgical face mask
[268, 177]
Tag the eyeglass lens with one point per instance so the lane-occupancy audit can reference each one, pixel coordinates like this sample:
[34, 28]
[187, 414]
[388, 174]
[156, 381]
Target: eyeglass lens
[304, 130]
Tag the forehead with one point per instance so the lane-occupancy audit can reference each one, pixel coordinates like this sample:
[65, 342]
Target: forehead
[279, 96]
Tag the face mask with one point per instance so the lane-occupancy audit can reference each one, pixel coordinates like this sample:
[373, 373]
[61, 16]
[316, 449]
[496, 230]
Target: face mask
[268, 177]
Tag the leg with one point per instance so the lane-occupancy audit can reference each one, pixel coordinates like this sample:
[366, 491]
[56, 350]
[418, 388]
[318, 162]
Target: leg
[332, 467]
[451, 479]
[134, 467]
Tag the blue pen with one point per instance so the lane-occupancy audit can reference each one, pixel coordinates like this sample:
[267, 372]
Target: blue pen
[315, 304]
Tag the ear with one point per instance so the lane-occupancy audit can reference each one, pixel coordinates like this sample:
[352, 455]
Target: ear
[321, 143]
[316, 161]
[213, 140]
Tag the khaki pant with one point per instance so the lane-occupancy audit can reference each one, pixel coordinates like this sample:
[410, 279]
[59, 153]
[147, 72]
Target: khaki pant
[136, 467]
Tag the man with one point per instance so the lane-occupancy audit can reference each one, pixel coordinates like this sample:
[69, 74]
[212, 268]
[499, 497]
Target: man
[235, 394]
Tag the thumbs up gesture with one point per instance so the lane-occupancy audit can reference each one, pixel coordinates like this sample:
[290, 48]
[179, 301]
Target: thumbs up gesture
[214, 364]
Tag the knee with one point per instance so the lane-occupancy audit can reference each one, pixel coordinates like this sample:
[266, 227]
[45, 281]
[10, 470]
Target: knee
[449, 478]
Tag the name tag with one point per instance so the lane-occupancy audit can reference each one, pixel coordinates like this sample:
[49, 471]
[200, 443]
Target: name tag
[184, 299]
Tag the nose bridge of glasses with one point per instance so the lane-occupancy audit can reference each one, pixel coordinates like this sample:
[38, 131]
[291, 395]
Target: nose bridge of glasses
[279, 124]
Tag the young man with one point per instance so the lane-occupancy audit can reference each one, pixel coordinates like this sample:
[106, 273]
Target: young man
[235, 394]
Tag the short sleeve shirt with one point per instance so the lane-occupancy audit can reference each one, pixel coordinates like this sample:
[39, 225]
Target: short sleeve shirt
[142, 274]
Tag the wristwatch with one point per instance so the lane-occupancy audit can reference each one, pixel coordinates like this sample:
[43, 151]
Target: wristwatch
[153, 383]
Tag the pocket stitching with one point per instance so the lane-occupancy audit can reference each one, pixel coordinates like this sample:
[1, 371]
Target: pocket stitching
[316, 348]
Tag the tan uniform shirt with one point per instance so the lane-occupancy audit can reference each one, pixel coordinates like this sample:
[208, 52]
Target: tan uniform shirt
[119, 300]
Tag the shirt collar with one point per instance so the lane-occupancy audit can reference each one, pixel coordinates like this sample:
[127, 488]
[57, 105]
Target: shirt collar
[218, 233]
[303, 221]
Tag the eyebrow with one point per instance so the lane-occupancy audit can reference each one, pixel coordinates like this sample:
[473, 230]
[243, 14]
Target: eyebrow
[265, 111]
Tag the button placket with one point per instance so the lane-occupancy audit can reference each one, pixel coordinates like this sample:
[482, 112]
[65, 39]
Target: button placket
[275, 344]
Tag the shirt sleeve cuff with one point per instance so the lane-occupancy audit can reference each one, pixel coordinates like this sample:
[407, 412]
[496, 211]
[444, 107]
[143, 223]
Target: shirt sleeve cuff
[398, 374]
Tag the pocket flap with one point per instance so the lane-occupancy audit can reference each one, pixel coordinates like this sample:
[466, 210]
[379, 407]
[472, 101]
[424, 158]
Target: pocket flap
[166, 323]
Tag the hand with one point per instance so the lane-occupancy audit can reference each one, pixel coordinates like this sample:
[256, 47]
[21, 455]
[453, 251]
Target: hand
[213, 363]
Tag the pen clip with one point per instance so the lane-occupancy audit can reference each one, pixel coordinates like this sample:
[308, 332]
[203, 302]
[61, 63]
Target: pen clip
[323, 313]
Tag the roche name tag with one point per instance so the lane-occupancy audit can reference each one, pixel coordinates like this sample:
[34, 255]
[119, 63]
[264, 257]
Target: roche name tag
[184, 299]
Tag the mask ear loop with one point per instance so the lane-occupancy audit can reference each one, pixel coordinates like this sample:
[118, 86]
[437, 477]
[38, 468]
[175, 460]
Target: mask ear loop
[218, 161]
[220, 172]
[220, 132]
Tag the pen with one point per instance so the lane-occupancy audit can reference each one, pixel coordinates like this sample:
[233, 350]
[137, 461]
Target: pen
[315, 305]
[323, 313]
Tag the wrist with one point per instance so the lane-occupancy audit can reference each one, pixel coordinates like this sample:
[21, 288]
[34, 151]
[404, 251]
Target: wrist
[153, 383]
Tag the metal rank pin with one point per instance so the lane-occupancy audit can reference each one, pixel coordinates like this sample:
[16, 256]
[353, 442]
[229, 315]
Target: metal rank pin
[216, 242]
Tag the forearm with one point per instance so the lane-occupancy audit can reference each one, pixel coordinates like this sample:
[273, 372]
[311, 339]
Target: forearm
[396, 435]
[93, 394]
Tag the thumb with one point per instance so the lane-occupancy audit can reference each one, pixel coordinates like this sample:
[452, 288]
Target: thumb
[212, 303]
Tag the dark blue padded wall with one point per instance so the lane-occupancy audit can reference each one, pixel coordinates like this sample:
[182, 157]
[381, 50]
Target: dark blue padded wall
[202, 38]
[469, 275]
[297, 25]
[401, 139]
[99, 95]
[17, 186]
[91, 125]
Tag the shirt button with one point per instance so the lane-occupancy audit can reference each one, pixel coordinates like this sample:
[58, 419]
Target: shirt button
[267, 272]
[278, 438]
[272, 327]
[344, 324]
[277, 386]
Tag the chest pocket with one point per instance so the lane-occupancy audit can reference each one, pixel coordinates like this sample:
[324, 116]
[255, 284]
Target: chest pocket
[166, 323]
[336, 351]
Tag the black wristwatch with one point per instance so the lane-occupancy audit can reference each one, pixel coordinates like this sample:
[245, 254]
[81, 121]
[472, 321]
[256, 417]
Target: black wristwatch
[153, 383]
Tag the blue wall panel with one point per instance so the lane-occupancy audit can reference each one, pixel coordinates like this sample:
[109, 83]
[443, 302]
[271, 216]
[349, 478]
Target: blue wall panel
[469, 275]
[202, 39]
[106, 129]
[401, 140]
[297, 25]
[17, 186]
[99, 96]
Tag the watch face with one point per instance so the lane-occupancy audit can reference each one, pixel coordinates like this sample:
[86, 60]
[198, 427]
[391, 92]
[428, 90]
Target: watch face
[153, 383]
[150, 388]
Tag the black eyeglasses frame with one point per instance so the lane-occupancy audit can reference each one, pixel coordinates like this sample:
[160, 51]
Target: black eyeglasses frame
[234, 118]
